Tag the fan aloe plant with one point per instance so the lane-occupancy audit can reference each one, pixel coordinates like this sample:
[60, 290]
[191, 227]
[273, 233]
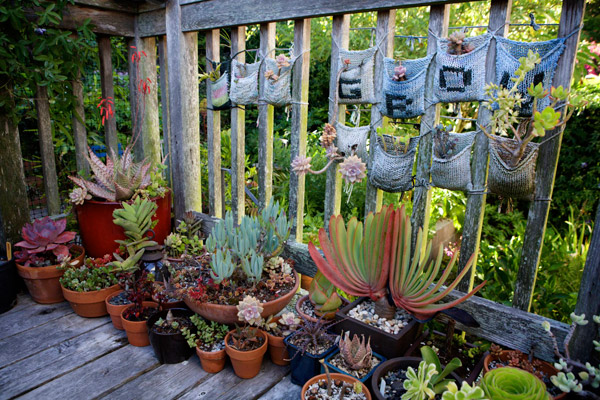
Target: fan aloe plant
[117, 180]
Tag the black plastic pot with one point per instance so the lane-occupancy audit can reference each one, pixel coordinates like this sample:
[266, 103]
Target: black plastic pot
[304, 366]
[169, 348]
[9, 284]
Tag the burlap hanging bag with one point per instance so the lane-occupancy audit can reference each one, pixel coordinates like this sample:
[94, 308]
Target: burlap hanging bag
[460, 77]
[517, 182]
[404, 99]
[349, 138]
[244, 82]
[391, 169]
[454, 171]
[356, 84]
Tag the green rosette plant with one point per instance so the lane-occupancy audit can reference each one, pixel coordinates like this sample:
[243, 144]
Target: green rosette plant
[509, 383]
[323, 295]
[466, 392]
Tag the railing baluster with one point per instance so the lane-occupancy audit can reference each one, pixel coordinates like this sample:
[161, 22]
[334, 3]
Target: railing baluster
[213, 134]
[106, 82]
[299, 122]
[238, 138]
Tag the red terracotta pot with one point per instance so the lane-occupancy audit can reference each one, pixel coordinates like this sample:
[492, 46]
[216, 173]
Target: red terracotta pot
[334, 375]
[43, 282]
[115, 310]
[137, 331]
[89, 304]
[246, 364]
[212, 361]
[98, 232]
[226, 314]
[278, 350]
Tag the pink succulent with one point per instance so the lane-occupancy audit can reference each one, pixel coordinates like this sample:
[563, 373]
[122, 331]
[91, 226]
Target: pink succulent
[332, 152]
[301, 165]
[249, 310]
[399, 73]
[45, 235]
[269, 73]
[282, 61]
[353, 169]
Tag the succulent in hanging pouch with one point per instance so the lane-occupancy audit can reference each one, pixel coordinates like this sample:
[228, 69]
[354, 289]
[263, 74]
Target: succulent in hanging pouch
[356, 353]
[117, 180]
[44, 235]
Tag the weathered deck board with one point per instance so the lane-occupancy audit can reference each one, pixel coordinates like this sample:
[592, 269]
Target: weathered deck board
[31, 316]
[284, 390]
[57, 360]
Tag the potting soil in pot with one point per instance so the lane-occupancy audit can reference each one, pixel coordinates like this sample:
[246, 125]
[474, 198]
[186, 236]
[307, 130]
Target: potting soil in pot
[182, 322]
[318, 391]
[365, 312]
[308, 308]
[394, 384]
[338, 362]
[120, 299]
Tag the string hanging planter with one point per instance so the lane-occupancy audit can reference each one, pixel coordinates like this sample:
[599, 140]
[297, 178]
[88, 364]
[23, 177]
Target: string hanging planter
[244, 82]
[391, 169]
[507, 179]
[451, 163]
[355, 84]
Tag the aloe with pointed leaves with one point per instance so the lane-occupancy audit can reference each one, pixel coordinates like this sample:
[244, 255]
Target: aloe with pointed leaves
[322, 294]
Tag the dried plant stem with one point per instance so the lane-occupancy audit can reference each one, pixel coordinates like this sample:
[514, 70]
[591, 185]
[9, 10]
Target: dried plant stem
[329, 386]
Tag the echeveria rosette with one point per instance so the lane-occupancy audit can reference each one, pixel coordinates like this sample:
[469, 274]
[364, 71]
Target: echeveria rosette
[353, 170]
[249, 311]
[44, 235]
[357, 256]
[301, 165]
[466, 392]
[412, 282]
[508, 383]
[418, 383]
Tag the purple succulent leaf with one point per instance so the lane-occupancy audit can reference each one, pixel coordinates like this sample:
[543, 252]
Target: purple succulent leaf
[61, 251]
[65, 237]
[26, 245]
[102, 173]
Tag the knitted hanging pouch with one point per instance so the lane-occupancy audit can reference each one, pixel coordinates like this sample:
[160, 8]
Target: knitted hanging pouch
[404, 99]
[277, 92]
[504, 180]
[219, 90]
[244, 82]
[460, 77]
[508, 53]
[349, 138]
[391, 169]
[356, 83]
[454, 170]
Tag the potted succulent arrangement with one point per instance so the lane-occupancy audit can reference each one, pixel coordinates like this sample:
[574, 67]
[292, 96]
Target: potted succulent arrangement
[334, 386]
[115, 304]
[277, 329]
[44, 247]
[166, 334]
[118, 180]
[209, 342]
[165, 293]
[86, 287]
[513, 383]
[135, 315]
[247, 345]
[310, 343]
[186, 240]
[8, 280]
[244, 261]
[373, 262]
[322, 300]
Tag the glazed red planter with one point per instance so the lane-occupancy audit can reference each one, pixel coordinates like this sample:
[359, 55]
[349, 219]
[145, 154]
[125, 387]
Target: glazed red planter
[98, 232]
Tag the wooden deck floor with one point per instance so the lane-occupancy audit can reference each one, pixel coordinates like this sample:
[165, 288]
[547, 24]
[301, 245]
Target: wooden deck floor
[48, 352]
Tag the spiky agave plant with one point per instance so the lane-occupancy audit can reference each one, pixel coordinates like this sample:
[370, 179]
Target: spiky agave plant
[117, 180]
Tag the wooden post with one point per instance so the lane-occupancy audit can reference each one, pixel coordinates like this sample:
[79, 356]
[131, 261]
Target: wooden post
[386, 25]
[164, 97]
[238, 139]
[184, 126]
[298, 135]
[213, 134]
[439, 16]
[42, 106]
[106, 81]
[14, 208]
[499, 16]
[588, 299]
[340, 34]
[78, 120]
[265, 121]
[134, 100]
[570, 19]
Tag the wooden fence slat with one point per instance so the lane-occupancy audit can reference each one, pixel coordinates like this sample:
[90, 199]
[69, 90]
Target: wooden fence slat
[299, 133]
[106, 82]
[238, 136]
[164, 99]
[44, 123]
[386, 27]
[182, 49]
[213, 129]
[340, 35]
[571, 19]
[471, 235]
[439, 16]
[265, 120]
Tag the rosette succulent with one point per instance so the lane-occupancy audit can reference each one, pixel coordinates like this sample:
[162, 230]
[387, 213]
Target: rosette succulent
[249, 310]
[509, 383]
[322, 294]
[41, 238]
[417, 383]
[466, 392]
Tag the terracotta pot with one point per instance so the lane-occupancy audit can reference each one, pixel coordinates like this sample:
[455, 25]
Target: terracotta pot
[212, 361]
[278, 350]
[547, 368]
[89, 304]
[333, 375]
[246, 364]
[98, 232]
[329, 315]
[226, 314]
[115, 310]
[305, 281]
[43, 282]
[168, 304]
[137, 331]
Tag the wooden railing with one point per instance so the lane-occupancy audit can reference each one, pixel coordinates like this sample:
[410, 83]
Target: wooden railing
[175, 27]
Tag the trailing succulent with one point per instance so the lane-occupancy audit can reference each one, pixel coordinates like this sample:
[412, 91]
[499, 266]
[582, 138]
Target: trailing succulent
[208, 335]
[508, 383]
[93, 275]
[443, 143]
[356, 353]
[44, 242]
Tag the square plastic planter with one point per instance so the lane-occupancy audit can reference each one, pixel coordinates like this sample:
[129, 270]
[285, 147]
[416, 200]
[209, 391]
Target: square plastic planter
[366, 379]
[387, 344]
[304, 366]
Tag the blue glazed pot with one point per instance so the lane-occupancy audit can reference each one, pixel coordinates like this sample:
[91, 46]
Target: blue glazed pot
[304, 366]
[366, 379]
